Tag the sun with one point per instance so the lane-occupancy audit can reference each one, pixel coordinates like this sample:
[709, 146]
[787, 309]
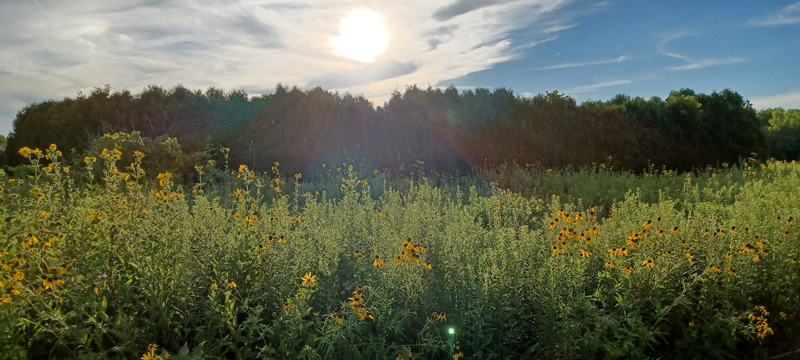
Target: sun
[363, 36]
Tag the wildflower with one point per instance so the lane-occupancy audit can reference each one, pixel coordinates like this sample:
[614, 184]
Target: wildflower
[660, 233]
[232, 284]
[555, 250]
[428, 265]
[398, 260]
[585, 253]
[690, 257]
[667, 254]
[51, 241]
[282, 240]
[324, 165]
[441, 317]
[609, 265]
[5, 299]
[25, 151]
[151, 353]
[783, 315]
[648, 263]
[674, 230]
[250, 220]
[163, 178]
[691, 323]
[553, 224]
[287, 307]
[382, 215]
[51, 284]
[213, 287]
[458, 356]
[713, 268]
[364, 315]
[298, 175]
[628, 270]
[337, 317]
[358, 255]
[308, 279]
[647, 225]
[378, 262]
[18, 275]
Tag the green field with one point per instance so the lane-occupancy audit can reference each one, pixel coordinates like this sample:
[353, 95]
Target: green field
[520, 262]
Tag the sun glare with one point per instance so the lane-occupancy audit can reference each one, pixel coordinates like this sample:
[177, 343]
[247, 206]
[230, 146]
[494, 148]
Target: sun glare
[363, 36]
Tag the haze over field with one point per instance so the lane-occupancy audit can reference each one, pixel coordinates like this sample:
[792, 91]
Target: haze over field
[586, 49]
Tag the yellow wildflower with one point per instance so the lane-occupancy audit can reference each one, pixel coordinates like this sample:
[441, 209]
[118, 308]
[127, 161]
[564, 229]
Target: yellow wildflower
[308, 279]
[377, 262]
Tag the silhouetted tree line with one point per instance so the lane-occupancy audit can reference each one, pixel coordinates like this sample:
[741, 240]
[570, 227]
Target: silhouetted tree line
[447, 129]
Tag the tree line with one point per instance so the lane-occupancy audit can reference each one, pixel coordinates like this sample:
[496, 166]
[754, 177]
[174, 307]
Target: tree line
[446, 129]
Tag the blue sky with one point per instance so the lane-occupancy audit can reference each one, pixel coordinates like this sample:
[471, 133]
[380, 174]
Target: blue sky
[51, 49]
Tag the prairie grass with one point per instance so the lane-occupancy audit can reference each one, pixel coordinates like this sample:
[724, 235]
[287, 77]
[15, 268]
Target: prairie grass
[521, 262]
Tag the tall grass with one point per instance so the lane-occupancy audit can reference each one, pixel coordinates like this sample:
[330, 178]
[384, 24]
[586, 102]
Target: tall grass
[259, 266]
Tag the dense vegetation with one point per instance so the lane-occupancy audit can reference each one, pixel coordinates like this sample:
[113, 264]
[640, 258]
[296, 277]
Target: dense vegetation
[216, 225]
[98, 263]
[448, 130]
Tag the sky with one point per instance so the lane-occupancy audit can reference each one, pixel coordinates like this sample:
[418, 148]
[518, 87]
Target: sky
[587, 49]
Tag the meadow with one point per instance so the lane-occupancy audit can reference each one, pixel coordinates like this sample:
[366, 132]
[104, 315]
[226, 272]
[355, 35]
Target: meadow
[509, 262]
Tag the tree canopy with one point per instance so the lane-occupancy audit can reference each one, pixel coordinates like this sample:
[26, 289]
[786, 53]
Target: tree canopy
[447, 129]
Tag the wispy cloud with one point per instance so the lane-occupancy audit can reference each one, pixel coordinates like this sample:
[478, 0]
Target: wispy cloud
[785, 16]
[691, 62]
[587, 88]
[701, 63]
[254, 44]
[786, 101]
[461, 7]
[571, 65]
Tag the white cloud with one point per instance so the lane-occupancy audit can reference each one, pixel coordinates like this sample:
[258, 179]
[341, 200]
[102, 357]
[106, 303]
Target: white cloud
[58, 48]
[691, 63]
[785, 16]
[569, 65]
[790, 100]
[587, 88]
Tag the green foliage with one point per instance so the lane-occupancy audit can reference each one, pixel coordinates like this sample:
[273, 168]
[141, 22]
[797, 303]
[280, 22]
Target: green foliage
[450, 131]
[707, 269]
[783, 134]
